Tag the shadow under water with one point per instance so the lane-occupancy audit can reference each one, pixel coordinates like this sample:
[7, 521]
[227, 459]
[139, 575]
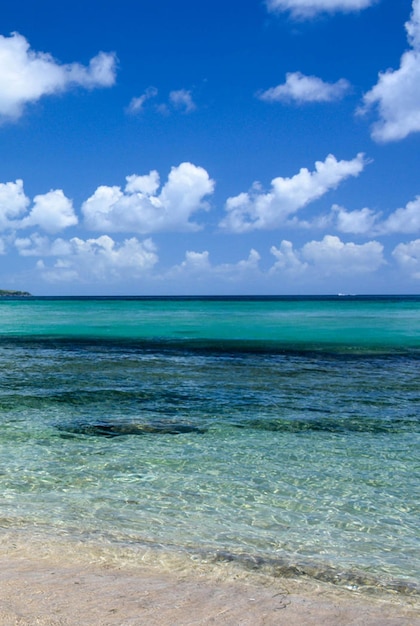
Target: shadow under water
[118, 429]
[328, 424]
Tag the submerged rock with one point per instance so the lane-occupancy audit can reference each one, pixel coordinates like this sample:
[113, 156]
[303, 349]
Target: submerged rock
[118, 429]
[331, 425]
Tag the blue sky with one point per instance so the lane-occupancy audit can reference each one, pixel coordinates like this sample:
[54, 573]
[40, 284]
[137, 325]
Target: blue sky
[235, 147]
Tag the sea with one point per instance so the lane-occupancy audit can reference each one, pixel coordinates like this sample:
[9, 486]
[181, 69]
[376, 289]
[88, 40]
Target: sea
[277, 434]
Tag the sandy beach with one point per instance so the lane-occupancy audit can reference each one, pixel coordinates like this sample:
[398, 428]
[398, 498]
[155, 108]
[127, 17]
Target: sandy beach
[61, 585]
[230, 462]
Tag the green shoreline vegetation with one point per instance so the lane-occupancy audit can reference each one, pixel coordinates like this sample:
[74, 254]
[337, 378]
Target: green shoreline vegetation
[4, 293]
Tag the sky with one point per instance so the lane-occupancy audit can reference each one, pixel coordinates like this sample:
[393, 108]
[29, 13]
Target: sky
[176, 147]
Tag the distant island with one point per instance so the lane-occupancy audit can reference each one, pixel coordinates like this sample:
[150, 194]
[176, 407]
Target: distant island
[4, 293]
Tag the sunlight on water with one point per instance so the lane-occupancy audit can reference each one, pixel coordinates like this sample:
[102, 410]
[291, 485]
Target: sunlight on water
[299, 461]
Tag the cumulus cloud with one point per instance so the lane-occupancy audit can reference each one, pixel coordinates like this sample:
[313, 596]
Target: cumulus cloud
[197, 265]
[257, 210]
[83, 260]
[182, 99]
[242, 270]
[358, 222]
[287, 259]
[136, 104]
[310, 8]
[194, 262]
[140, 208]
[13, 203]
[51, 211]
[407, 256]
[329, 256]
[396, 95]
[41, 246]
[366, 221]
[27, 75]
[404, 220]
[301, 89]
[333, 255]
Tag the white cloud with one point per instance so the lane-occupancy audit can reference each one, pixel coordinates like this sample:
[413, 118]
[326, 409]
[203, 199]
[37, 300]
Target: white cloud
[329, 256]
[39, 245]
[13, 203]
[197, 265]
[182, 99]
[147, 184]
[358, 222]
[333, 255]
[52, 211]
[413, 26]
[309, 8]
[140, 209]
[403, 220]
[100, 259]
[27, 75]
[194, 262]
[407, 256]
[287, 259]
[300, 88]
[136, 104]
[257, 210]
[242, 270]
[366, 221]
[396, 95]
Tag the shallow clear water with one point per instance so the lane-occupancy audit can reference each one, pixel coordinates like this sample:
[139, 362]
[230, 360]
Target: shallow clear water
[277, 432]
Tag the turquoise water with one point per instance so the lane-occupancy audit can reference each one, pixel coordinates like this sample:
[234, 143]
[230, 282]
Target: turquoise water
[276, 433]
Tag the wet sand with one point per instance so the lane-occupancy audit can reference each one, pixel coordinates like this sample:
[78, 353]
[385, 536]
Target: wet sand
[61, 587]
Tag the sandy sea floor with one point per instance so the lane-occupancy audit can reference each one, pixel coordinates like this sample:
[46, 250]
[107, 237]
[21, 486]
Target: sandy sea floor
[54, 583]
